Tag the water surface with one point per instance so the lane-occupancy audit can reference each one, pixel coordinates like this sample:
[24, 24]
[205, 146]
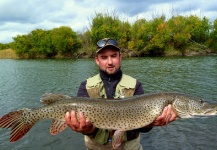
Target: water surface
[22, 83]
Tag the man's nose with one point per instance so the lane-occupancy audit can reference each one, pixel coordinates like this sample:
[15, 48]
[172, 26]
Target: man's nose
[110, 60]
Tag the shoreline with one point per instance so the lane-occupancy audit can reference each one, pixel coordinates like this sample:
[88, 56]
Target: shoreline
[11, 54]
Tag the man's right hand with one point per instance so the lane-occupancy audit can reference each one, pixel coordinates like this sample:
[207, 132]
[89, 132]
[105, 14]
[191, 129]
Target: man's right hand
[83, 126]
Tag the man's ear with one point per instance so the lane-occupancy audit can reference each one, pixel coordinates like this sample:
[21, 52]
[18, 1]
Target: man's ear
[97, 60]
[120, 54]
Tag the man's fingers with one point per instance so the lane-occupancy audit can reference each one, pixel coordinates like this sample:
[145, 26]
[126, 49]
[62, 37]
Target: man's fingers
[169, 110]
[69, 121]
[168, 115]
[88, 123]
[165, 111]
[82, 120]
[68, 118]
[162, 118]
[171, 113]
[74, 120]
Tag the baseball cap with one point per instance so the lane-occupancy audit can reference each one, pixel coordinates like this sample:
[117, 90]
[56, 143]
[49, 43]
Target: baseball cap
[106, 42]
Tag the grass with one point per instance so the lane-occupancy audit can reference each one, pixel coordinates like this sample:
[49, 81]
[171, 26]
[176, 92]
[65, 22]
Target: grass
[8, 53]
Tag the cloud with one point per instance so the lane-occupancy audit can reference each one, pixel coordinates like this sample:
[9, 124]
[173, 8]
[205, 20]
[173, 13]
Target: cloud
[27, 11]
[23, 16]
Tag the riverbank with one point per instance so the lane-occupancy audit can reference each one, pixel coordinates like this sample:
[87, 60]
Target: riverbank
[11, 54]
[8, 54]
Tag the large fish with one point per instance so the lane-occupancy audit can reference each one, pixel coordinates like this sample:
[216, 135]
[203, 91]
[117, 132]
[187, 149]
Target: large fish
[120, 115]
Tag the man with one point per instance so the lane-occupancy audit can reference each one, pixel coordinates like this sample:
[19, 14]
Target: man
[111, 83]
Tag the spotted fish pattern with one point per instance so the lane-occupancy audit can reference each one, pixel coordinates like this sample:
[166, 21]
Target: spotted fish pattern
[122, 115]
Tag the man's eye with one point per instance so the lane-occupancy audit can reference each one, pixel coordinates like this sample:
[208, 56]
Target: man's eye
[103, 57]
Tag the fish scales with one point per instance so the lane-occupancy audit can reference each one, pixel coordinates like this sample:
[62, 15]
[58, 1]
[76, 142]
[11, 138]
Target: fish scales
[102, 113]
[125, 114]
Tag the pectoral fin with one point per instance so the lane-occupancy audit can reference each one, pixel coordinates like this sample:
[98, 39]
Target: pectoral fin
[117, 138]
[57, 126]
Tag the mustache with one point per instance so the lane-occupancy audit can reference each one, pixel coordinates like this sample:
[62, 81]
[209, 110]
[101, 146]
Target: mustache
[108, 67]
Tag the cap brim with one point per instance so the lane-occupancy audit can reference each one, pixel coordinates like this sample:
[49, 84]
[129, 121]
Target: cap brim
[108, 45]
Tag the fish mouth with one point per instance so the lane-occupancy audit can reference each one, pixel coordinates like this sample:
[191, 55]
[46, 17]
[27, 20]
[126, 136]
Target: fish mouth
[205, 114]
[202, 116]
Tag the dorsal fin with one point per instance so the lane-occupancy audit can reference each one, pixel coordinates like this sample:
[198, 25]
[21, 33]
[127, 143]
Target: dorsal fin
[49, 98]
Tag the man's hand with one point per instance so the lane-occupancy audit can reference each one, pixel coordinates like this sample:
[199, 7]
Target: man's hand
[168, 115]
[83, 126]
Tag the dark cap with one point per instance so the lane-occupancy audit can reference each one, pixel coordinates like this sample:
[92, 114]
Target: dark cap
[106, 42]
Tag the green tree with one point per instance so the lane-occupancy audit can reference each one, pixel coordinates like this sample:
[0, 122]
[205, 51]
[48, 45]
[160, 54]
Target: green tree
[88, 48]
[4, 46]
[138, 35]
[198, 29]
[157, 34]
[124, 34]
[22, 45]
[41, 43]
[104, 25]
[213, 37]
[65, 41]
[179, 32]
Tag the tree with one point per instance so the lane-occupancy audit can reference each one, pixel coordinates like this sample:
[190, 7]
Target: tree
[65, 41]
[157, 36]
[213, 37]
[41, 43]
[104, 25]
[198, 29]
[138, 35]
[179, 32]
[22, 45]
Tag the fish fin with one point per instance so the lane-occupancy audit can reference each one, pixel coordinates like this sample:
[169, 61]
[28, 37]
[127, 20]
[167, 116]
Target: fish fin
[16, 122]
[57, 126]
[117, 138]
[49, 98]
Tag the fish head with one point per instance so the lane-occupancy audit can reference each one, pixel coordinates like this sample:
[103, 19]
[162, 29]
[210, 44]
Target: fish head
[201, 108]
[189, 107]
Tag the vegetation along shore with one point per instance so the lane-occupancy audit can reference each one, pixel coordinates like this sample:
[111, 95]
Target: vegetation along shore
[177, 36]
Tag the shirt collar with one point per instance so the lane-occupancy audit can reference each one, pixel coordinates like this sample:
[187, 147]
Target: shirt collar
[116, 76]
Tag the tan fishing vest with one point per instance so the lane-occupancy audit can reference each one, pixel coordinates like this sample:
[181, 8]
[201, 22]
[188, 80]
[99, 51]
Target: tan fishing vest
[95, 89]
[125, 88]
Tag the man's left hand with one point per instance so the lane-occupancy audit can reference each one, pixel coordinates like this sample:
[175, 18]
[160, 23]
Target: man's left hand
[168, 115]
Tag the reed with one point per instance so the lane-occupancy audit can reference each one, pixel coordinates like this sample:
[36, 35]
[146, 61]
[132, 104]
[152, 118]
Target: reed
[8, 53]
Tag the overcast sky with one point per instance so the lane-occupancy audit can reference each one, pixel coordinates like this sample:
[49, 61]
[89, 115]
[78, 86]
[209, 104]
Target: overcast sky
[19, 17]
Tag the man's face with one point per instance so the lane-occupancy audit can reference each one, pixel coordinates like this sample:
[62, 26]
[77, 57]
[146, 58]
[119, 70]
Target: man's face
[109, 60]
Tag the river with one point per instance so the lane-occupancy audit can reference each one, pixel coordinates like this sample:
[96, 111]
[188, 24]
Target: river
[22, 82]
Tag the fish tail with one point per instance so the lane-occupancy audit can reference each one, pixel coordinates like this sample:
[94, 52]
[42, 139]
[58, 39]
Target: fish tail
[18, 122]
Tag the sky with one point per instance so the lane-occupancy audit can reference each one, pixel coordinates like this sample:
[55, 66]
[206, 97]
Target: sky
[18, 17]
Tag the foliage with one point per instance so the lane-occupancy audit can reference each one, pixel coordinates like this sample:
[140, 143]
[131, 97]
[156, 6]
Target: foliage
[176, 36]
[105, 25]
[212, 43]
[47, 43]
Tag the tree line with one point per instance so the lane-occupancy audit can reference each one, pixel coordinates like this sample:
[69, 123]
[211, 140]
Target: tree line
[178, 35]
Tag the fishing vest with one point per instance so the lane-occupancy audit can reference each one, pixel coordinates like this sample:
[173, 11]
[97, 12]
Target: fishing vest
[125, 88]
[95, 89]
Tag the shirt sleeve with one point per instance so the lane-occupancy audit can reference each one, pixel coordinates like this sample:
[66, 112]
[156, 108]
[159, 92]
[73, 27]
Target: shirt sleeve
[139, 89]
[82, 91]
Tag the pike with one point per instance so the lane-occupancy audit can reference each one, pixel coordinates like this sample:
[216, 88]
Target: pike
[120, 115]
